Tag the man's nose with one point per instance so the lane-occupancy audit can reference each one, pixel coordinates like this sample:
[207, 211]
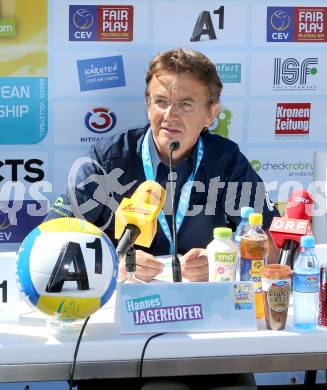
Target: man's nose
[171, 110]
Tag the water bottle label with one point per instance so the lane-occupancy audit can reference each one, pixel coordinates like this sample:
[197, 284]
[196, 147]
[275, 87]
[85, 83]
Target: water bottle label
[306, 283]
[252, 270]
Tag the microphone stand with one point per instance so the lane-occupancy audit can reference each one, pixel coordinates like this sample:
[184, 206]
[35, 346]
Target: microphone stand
[130, 264]
[127, 240]
[288, 253]
[176, 265]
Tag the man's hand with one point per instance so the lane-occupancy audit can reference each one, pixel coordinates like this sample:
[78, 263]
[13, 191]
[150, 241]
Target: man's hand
[147, 267]
[194, 265]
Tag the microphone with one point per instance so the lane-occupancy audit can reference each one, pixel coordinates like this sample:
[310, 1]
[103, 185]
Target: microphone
[136, 217]
[288, 230]
[175, 263]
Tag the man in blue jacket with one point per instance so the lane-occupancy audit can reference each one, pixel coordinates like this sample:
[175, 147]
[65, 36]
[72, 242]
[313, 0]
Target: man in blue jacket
[182, 99]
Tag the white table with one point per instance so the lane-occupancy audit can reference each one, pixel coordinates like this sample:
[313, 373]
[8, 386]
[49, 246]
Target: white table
[29, 352]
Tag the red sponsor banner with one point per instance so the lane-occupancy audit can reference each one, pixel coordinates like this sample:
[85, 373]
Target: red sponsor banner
[310, 24]
[115, 23]
[292, 118]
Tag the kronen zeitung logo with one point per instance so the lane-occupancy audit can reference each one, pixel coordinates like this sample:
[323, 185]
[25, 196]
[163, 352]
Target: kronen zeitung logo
[292, 118]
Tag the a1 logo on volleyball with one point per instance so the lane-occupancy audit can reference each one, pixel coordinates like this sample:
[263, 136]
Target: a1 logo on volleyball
[9, 295]
[100, 120]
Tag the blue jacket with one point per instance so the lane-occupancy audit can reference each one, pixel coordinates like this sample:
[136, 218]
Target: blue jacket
[114, 169]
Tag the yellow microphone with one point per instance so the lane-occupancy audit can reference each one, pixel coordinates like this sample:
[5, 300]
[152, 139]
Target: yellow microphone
[136, 217]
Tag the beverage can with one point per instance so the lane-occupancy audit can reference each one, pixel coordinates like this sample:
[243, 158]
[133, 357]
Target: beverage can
[322, 316]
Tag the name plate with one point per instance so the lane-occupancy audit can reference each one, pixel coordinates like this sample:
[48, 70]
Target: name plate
[186, 307]
[9, 293]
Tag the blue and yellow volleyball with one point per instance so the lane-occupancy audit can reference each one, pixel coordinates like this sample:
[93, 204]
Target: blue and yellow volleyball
[53, 254]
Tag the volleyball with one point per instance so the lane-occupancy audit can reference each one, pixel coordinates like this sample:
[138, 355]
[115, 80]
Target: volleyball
[280, 20]
[67, 268]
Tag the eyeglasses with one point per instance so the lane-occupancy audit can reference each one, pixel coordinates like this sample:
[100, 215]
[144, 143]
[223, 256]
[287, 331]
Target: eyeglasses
[161, 105]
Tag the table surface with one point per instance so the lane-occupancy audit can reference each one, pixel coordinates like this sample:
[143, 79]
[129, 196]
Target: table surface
[33, 350]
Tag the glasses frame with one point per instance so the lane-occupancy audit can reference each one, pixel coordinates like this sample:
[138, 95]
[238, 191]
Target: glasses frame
[171, 103]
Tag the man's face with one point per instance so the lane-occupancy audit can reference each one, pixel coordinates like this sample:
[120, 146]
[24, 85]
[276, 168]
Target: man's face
[178, 110]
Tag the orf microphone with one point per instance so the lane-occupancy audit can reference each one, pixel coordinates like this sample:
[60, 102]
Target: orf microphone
[175, 263]
[136, 217]
[287, 231]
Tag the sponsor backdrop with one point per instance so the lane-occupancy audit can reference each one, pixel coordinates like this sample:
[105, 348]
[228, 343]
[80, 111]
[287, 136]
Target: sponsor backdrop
[72, 72]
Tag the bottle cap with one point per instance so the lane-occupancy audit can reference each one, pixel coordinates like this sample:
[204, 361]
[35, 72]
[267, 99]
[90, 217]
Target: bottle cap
[276, 271]
[246, 211]
[307, 242]
[222, 232]
[255, 219]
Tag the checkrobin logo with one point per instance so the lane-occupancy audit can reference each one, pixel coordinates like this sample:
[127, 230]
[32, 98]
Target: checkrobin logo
[256, 165]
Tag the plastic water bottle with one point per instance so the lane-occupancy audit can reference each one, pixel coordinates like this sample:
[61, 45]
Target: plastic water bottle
[306, 286]
[245, 213]
[241, 228]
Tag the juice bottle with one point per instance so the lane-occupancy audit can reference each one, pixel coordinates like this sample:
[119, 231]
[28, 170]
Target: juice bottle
[254, 251]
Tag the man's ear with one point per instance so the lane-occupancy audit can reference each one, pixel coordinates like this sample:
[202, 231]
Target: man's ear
[213, 112]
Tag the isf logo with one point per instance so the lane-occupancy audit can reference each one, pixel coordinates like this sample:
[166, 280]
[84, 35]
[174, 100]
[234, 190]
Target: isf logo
[293, 74]
[100, 120]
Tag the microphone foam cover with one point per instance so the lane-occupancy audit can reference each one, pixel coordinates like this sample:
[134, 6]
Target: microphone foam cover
[300, 205]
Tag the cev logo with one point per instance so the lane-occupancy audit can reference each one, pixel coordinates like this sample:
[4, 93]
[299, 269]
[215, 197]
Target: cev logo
[83, 19]
[279, 20]
[100, 120]
[4, 220]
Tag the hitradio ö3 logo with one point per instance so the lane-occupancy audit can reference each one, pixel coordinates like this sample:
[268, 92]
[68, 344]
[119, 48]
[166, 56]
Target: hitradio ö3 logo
[100, 120]
[83, 19]
[280, 21]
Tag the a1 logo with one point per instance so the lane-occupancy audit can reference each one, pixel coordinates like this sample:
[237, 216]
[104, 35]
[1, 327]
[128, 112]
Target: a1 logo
[9, 294]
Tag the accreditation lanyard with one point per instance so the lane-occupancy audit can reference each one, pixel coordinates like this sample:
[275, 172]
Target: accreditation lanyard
[185, 193]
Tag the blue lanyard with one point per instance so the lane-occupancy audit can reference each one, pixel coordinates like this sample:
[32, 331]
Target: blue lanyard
[186, 190]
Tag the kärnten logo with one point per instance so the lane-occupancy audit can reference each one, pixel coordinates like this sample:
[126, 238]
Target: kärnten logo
[101, 73]
[100, 120]
[293, 74]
